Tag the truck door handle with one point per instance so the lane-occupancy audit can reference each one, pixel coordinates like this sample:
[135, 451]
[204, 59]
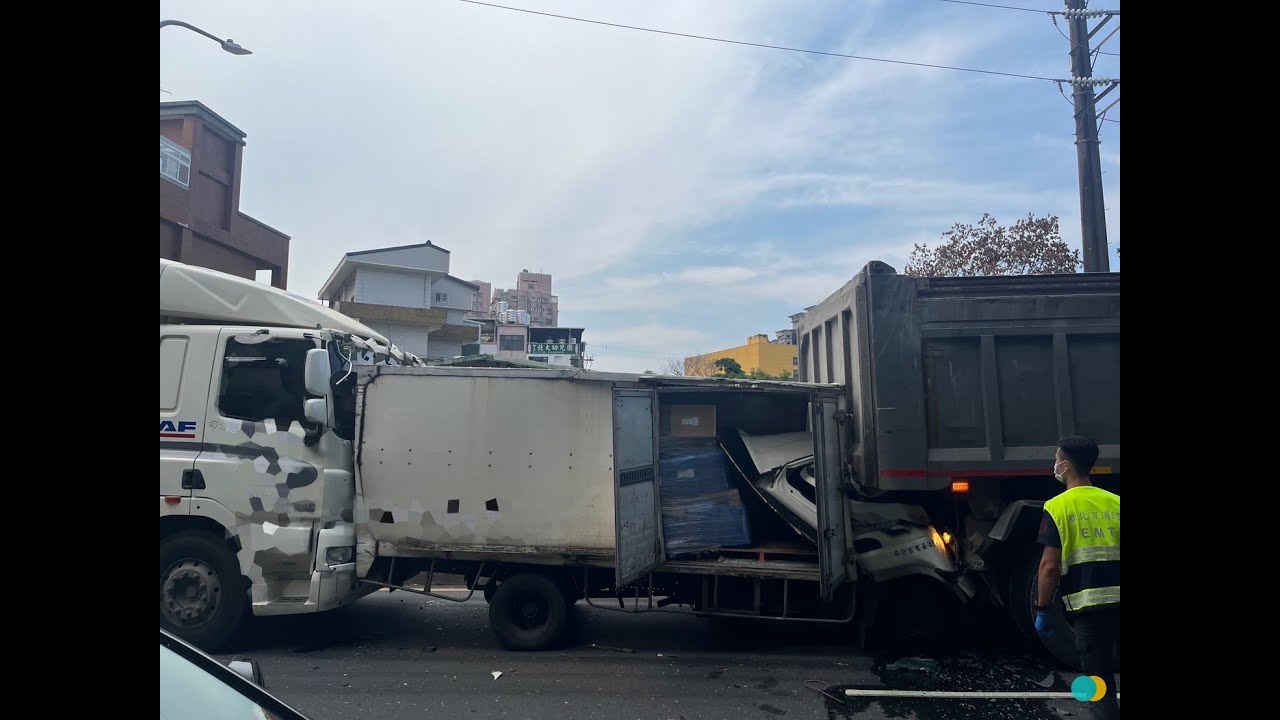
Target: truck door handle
[192, 480]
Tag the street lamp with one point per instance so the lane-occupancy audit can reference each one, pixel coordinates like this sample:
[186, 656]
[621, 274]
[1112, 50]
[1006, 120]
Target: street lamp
[229, 45]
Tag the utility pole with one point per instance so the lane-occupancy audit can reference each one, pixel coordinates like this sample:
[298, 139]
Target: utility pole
[1093, 219]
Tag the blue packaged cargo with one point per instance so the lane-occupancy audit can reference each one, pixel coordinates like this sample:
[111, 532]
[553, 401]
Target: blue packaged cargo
[674, 447]
[704, 523]
[693, 474]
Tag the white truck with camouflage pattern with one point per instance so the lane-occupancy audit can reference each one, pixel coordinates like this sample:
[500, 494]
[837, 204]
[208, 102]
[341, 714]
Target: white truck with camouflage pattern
[256, 500]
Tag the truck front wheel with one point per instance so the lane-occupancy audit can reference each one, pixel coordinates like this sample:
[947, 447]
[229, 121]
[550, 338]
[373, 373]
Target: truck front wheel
[1024, 582]
[528, 612]
[202, 598]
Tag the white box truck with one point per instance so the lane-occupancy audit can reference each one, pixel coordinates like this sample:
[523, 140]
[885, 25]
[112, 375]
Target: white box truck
[545, 486]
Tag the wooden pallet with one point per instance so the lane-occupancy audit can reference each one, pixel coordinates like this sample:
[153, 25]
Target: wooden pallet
[772, 552]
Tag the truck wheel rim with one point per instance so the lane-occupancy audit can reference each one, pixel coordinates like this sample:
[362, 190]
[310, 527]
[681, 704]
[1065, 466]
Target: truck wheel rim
[189, 593]
[529, 613]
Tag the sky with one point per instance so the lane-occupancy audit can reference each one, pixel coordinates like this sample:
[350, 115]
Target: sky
[684, 194]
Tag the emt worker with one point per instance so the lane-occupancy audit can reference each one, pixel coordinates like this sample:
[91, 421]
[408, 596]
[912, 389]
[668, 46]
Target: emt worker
[1080, 532]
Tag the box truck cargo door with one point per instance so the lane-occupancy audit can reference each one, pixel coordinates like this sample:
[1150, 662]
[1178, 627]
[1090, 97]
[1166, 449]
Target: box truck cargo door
[635, 477]
[833, 545]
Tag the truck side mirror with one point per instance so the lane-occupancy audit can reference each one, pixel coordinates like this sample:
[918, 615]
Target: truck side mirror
[317, 372]
[316, 410]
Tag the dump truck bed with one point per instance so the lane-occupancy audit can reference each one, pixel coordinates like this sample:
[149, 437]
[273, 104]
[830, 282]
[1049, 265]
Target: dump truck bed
[963, 377]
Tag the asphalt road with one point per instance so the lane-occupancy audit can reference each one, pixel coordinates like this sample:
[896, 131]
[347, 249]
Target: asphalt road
[398, 655]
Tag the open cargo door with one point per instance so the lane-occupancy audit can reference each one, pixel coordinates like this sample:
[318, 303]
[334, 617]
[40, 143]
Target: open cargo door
[833, 547]
[636, 508]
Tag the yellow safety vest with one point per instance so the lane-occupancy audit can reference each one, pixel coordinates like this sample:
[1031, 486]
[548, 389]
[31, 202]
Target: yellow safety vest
[1088, 520]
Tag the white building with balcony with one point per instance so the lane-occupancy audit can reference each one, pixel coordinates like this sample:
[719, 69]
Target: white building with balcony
[406, 293]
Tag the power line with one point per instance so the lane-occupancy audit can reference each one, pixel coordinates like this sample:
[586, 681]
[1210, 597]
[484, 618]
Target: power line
[763, 45]
[1001, 7]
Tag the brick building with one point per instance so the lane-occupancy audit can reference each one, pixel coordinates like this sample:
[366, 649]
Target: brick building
[200, 219]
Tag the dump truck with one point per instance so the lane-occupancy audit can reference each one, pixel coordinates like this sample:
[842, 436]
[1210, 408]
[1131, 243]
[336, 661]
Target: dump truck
[958, 390]
[316, 463]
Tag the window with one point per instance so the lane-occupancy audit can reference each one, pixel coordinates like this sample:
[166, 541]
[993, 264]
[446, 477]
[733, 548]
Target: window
[511, 342]
[175, 162]
[442, 297]
[530, 285]
[537, 359]
[262, 378]
[173, 354]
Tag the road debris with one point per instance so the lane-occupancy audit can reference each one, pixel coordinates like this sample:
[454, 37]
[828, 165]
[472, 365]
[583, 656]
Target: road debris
[914, 663]
[612, 648]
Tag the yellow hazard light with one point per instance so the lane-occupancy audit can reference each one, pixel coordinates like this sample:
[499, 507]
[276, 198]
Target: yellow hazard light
[960, 486]
[946, 538]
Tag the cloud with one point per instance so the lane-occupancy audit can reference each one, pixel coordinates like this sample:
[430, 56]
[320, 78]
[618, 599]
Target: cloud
[698, 190]
[637, 348]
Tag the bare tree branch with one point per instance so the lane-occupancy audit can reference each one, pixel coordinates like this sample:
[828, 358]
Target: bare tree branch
[699, 366]
[1031, 246]
[672, 365]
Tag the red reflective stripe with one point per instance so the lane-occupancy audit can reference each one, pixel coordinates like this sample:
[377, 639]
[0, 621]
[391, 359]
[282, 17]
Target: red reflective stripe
[905, 473]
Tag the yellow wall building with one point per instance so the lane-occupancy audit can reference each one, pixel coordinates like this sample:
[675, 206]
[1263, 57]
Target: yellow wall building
[758, 353]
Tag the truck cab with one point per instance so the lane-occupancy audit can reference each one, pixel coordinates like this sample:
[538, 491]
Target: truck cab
[256, 488]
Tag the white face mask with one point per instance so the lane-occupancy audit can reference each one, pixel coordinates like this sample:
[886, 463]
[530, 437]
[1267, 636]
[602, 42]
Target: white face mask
[1060, 478]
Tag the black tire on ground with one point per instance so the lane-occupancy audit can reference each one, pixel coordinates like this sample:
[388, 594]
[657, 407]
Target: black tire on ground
[528, 612]
[202, 594]
[1023, 584]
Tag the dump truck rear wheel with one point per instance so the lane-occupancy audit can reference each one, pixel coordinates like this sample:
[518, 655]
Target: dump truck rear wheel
[1024, 582]
[528, 612]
